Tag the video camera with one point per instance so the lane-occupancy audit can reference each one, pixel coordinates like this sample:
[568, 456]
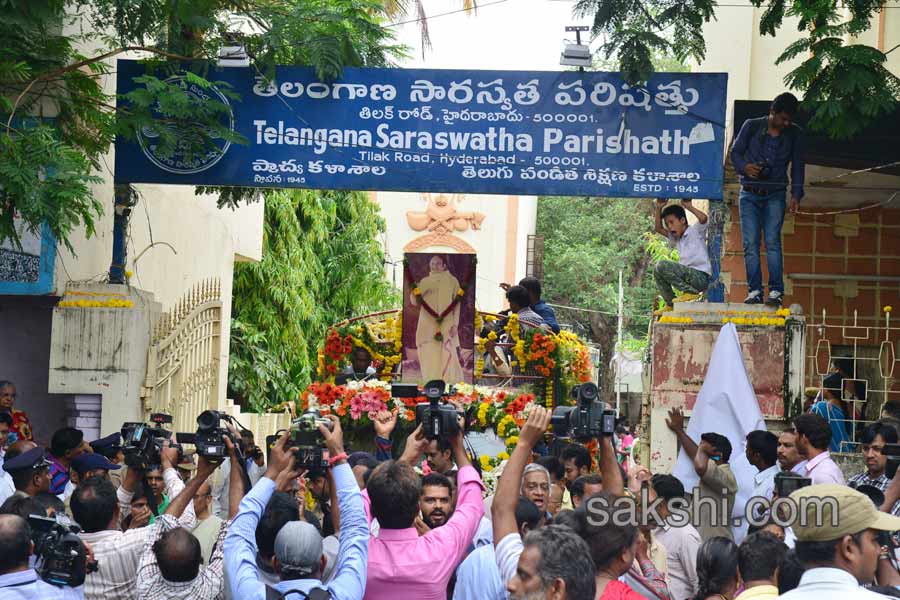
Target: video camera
[588, 419]
[306, 437]
[142, 442]
[61, 555]
[441, 418]
[208, 439]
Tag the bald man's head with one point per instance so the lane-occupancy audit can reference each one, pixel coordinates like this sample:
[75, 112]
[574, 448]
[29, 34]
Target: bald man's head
[203, 501]
[15, 543]
[178, 555]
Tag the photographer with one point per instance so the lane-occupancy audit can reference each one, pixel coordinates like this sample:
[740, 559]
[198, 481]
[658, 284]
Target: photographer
[170, 566]
[164, 483]
[764, 151]
[401, 563]
[255, 466]
[17, 579]
[97, 507]
[254, 456]
[299, 559]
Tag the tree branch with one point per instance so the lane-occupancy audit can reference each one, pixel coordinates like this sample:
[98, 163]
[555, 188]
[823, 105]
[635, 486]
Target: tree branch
[84, 63]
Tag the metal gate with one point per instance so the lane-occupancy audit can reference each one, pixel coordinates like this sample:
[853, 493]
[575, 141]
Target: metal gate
[867, 355]
[184, 358]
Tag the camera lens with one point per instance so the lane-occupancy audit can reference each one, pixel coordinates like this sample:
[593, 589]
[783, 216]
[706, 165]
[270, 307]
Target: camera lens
[208, 420]
[588, 391]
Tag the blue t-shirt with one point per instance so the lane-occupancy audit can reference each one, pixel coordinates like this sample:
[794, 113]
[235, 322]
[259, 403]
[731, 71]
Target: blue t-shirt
[838, 422]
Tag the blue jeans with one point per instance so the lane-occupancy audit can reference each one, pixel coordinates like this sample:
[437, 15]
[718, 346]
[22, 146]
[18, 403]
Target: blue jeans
[762, 216]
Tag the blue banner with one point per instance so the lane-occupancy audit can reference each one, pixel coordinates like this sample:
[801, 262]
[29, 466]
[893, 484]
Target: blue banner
[486, 132]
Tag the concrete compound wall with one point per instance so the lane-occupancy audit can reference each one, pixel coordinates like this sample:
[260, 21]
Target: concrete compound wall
[24, 356]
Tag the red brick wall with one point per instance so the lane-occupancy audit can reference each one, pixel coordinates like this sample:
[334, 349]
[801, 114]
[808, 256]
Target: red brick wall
[810, 244]
[861, 243]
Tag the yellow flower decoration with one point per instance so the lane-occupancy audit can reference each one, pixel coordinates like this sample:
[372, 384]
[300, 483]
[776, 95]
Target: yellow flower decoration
[512, 441]
[460, 292]
[485, 462]
[671, 319]
[417, 291]
[501, 456]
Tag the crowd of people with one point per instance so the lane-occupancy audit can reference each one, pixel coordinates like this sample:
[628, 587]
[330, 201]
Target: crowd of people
[416, 521]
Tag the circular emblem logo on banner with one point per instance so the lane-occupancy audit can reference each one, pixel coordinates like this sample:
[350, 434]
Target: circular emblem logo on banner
[179, 162]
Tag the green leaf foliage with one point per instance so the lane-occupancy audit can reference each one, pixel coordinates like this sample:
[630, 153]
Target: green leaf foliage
[44, 75]
[845, 85]
[322, 263]
[586, 242]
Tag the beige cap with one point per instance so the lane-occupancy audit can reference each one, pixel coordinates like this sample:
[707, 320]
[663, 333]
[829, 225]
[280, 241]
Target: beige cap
[855, 513]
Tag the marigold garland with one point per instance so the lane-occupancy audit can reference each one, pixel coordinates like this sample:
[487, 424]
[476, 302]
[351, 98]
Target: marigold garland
[383, 341]
[358, 402]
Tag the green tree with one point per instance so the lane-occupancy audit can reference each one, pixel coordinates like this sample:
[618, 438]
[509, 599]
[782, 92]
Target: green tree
[46, 167]
[586, 242]
[322, 263]
[846, 85]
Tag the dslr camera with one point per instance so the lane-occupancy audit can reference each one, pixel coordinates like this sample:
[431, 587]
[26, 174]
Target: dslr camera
[440, 418]
[61, 556]
[208, 439]
[588, 419]
[892, 452]
[307, 438]
[141, 442]
[787, 484]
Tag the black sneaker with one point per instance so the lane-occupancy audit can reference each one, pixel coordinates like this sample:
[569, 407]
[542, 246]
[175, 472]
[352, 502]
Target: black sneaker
[775, 299]
[754, 297]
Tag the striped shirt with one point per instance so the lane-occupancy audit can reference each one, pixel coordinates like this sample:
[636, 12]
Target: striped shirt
[59, 475]
[119, 553]
[881, 482]
[151, 585]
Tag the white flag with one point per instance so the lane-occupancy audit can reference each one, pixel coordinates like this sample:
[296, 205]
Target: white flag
[726, 405]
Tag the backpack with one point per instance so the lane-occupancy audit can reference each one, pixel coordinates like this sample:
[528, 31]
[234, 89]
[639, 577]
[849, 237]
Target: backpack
[314, 594]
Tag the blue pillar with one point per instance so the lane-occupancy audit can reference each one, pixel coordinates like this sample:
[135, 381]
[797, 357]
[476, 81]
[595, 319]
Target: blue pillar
[717, 211]
[125, 199]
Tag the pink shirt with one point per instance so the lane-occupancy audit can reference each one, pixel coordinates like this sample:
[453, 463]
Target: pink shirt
[404, 565]
[822, 469]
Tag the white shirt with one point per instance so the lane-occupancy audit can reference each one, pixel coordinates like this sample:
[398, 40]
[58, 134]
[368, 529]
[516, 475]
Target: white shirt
[829, 584]
[692, 250]
[220, 489]
[507, 554]
[681, 544]
[764, 482]
[7, 488]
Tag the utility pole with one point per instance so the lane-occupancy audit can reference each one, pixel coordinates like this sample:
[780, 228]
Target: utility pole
[619, 349]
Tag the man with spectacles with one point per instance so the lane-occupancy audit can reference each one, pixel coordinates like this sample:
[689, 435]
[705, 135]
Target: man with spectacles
[208, 524]
[874, 439]
[536, 486]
